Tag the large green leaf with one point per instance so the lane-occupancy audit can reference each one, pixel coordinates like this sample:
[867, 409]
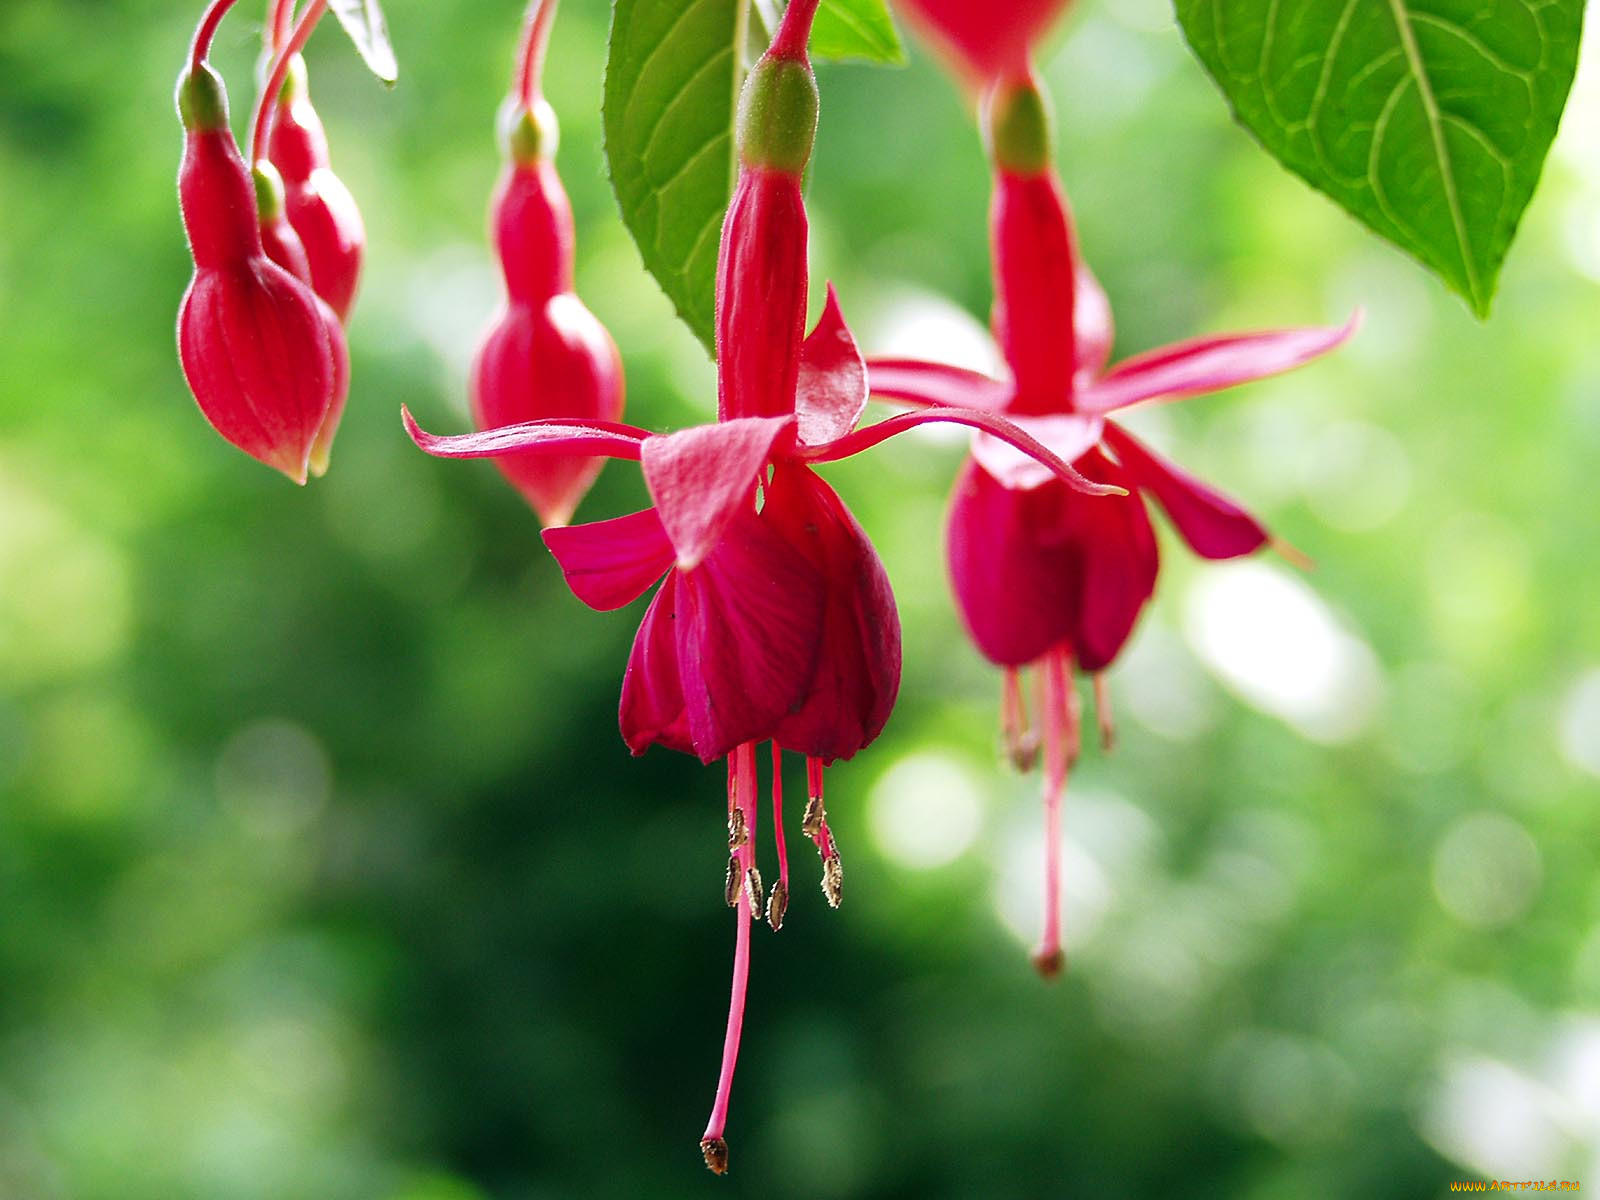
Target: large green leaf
[672, 74]
[1427, 119]
[673, 71]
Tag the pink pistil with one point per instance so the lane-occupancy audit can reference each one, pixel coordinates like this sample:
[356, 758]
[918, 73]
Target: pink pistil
[1060, 724]
[742, 777]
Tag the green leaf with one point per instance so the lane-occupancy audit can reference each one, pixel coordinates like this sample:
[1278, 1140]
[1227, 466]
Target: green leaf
[1427, 119]
[363, 21]
[673, 71]
[672, 76]
[859, 29]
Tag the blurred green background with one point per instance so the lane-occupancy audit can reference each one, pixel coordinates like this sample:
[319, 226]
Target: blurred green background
[324, 872]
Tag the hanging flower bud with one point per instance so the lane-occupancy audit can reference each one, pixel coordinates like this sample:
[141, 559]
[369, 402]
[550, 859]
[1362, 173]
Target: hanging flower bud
[316, 201]
[545, 355]
[283, 246]
[986, 39]
[255, 347]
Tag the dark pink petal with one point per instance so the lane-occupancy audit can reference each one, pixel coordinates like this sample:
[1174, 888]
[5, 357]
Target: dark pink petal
[858, 671]
[548, 436]
[914, 382]
[1213, 525]
[991, 423]
[749, 629]
[610, 563]
[652, 708]
[832, 391]
[701, 477]
[1117, 567]
[1011, 571]
[1210, 364]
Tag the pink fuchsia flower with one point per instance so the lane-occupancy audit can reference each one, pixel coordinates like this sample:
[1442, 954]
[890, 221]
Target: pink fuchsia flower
[546, 355]
[1042, 576]
[984, 40]
[774, 621]
[262, 361]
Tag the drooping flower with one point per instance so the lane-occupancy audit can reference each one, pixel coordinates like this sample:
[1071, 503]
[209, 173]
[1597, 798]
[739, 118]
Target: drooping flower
[545, 355]
[261, 360]
[1042, 576]
[774, 620]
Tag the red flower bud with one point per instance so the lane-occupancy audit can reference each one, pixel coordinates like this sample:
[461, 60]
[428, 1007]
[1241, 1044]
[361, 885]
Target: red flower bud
[316, 201]
[257, 351]
[546, 354]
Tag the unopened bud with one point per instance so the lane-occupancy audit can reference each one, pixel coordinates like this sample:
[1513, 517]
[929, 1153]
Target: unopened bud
[777, 121]
[737, 834]
[202, 100]
[812, 822]
[777, 905]
[833, 879]
[754, 892]
[730, 884]
[269, 191]
[1017, 126]
[716, 1155]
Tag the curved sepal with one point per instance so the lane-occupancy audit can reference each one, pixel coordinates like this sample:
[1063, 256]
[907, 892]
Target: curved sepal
[832, 392]
[700, 478]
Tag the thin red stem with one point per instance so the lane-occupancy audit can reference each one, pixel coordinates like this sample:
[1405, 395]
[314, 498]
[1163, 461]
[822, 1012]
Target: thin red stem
[794, 31]
[206, 32]
[530, 54]
[266, 103]
[1057, 710]
[280, 23]
[742, 770]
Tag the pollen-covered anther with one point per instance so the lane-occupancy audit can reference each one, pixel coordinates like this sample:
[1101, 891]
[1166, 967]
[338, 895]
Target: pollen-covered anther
[777, 905]
[754, 892]
[730, 884]
[1022, 749]
[716, 1154]
[833, 879]
[1049, 962]
[815, 819]
[738, 835]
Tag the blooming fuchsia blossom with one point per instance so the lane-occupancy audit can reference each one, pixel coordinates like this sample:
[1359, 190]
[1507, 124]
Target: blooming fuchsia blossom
[774, 620]
[545, 355]
[1042, 575]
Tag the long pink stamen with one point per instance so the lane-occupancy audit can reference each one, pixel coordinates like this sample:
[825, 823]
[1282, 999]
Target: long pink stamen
[778, 901]
[1021, 743]
[815, 826]
[1059, 721]
[742, 777]
[1102, 711]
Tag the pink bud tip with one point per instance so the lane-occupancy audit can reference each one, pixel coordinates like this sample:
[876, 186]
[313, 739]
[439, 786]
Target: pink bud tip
[716, 1155]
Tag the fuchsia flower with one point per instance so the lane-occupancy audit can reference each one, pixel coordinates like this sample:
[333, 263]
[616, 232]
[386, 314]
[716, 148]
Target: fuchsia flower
[261, 359]
[774, 620]
[546, 354]
[1043, 576]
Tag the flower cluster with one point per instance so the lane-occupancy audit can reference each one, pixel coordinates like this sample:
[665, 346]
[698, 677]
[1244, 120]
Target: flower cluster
[773, 621]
